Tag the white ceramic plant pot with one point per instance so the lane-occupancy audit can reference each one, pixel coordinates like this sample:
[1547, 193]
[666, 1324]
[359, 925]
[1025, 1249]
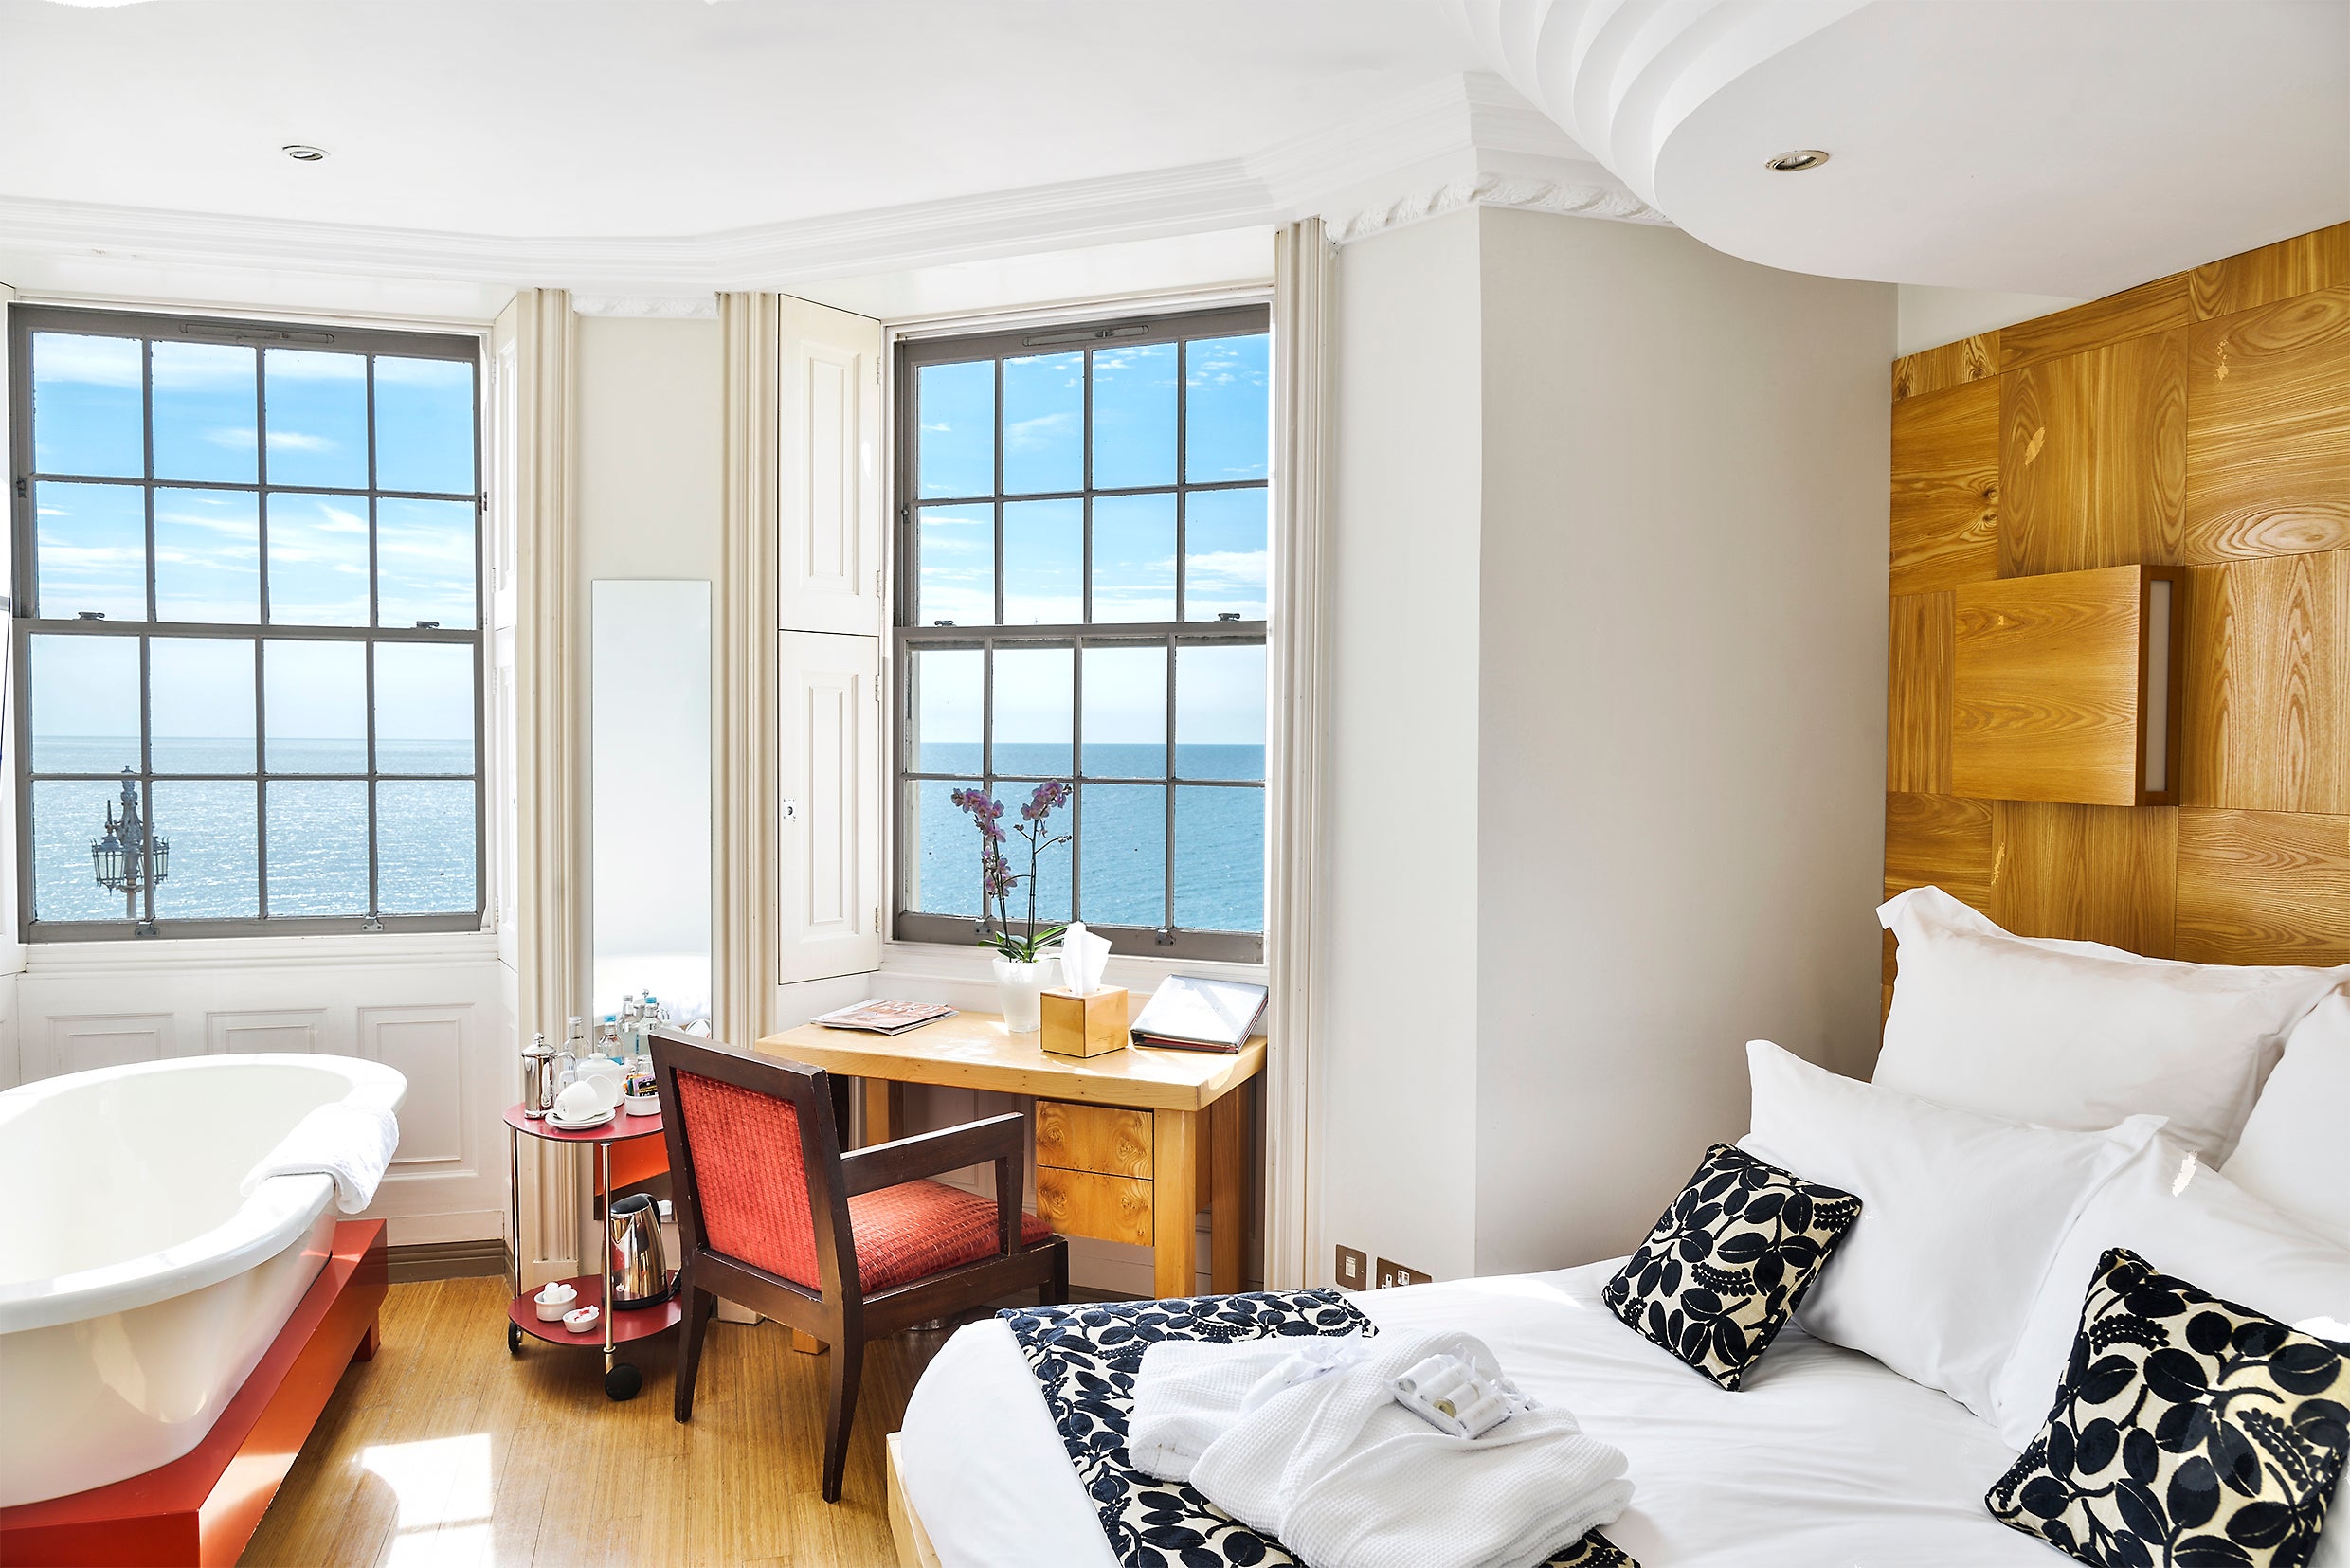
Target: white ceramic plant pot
[1018, 986]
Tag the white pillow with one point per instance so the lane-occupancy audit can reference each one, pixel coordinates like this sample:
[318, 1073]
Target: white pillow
[2183, 1219]
[2076, 1035]
[2295, 1151]
[1959, 1213]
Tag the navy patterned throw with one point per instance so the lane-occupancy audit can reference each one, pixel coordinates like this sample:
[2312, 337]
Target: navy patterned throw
[1085, 1357]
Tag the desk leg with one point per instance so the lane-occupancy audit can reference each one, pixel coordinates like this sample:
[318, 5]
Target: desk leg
[1227, 1194]
[1174, 1196]
[885, 1110]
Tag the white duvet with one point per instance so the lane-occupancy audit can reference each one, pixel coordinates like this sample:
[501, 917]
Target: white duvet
[1824, 1459]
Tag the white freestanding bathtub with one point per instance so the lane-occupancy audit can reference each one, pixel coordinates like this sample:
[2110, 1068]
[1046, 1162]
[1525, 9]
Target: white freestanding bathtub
[138, 1287]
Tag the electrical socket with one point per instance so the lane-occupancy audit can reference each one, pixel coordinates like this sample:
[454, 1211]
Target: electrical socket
[1398, 1273]
[1354, 1269]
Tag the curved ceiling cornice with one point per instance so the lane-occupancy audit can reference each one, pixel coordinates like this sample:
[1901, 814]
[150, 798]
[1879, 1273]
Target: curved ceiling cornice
[2048, 149]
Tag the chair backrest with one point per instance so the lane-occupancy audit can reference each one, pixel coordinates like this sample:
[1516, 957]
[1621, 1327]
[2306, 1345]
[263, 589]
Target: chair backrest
[755, 1161]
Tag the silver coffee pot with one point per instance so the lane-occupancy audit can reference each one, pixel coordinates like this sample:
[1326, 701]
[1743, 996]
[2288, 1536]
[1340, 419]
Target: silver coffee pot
[640, 1272]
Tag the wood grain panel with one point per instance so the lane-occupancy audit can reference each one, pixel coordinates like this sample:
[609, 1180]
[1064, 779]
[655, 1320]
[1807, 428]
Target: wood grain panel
[1174, 1264]
[1106, 1140]
[2087, 873]
[2268, 430]
[1938, 840]
[2299, 266]
[1946, 488]
[2264, 887]
[2154, 307]
[1108, 1208]
[2267, 685]
[1974, 358]
[2044, 688]
[2093, 459]
[1917, 693]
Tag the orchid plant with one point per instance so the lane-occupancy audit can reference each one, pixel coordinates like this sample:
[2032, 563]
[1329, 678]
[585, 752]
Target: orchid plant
[996, 877]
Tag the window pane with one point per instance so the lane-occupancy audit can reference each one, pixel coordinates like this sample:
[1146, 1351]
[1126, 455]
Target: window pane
[207, 555]
[424, 847]
[1043, 563]
[1125, 713]
[1220, 858]
[317, 847]
[423, 425]
[1032, 712]
[424, 563]
[85, 406]
[318, 560]
[1134, 416]
[316, 702]
[1135, 557]
[1220, 711]
[67, 816]
[214, 871]
[1044, 424]
[955, 447]
[90, 551]
[204, 412]
[200, 704]
[1051, 905]
[958, 555]
[1125, 854]
[1228, 415]
[314, 410]
[948, 707]
[84, 703]
[424, 707]
[1224, 554]
[941, 861]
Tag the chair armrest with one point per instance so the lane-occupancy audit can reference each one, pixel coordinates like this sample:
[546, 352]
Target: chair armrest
[979, 1142]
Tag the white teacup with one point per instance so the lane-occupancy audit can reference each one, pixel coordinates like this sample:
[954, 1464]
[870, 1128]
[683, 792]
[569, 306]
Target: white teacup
[586, 1099]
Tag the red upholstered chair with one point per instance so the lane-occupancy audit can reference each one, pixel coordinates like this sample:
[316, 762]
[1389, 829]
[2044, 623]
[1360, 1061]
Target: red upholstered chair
[846, 1247]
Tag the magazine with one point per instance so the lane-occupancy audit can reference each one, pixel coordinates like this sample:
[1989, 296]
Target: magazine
[886, 1017]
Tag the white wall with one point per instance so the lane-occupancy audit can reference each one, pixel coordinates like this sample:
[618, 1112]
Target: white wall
[1396, 1090]
[1681, 726]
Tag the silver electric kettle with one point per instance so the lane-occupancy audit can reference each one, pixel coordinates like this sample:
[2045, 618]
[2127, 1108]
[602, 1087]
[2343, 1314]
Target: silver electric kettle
[639, 1273]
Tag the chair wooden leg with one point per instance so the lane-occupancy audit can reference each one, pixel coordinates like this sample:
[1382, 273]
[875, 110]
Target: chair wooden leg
[848, 1366]
[1058, 1291]
[699, 1307]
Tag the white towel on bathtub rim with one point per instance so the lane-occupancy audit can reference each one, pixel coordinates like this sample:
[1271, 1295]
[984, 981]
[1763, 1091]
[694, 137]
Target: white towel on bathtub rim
[1189, 1393]
[1348, 1478]
[349, 1142]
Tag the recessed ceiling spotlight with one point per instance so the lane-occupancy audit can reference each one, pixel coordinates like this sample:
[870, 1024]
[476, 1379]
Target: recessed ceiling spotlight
[1797, 161]
[302, 151]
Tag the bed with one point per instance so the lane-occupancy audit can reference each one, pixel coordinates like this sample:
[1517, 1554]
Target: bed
[1824, 1459]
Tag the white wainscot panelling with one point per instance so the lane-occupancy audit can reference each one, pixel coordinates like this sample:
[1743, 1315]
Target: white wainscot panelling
[428, 1045]
[829, 842]
[277, 1029]
[76, 1044]
[828, 496]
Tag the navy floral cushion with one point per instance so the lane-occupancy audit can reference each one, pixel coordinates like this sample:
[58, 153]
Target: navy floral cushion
[1728, 1262]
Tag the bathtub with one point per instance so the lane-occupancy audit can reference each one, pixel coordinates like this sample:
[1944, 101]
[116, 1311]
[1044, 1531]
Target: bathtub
[139, 1287]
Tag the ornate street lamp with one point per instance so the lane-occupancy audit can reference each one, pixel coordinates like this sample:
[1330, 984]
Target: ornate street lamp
[128, 858]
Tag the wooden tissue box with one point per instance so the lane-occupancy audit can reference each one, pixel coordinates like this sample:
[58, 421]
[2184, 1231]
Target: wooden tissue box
[1084, 1026]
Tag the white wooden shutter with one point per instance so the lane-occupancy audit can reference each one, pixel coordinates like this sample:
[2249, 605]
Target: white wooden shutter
[829, 504]
[832, 804]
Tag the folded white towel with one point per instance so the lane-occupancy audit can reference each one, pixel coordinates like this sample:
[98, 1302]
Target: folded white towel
[1187, 1392]
[1348, 1478]
[350, 1142]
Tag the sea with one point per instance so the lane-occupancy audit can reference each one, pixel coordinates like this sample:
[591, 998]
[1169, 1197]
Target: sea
[425, 863]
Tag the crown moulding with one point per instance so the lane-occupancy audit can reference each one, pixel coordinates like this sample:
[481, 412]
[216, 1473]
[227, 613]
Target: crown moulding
[1523, 193]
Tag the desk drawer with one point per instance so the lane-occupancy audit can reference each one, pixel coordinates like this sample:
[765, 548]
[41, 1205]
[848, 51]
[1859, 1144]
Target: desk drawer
[1104, 1140]
[1108, 1208]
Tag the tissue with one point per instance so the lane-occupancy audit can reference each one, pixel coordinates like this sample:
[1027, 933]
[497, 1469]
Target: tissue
[1083, 959]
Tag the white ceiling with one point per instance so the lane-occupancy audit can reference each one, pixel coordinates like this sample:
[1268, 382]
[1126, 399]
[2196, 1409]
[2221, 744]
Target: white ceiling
[643, 118]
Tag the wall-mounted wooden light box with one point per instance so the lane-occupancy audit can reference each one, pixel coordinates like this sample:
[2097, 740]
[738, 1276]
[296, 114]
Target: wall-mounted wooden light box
[2066, 687]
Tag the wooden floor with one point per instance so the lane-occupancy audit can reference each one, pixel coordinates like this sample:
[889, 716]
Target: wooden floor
[447, 1450]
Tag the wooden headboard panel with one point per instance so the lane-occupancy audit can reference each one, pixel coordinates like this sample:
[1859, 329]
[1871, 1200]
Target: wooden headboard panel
[2201, 420]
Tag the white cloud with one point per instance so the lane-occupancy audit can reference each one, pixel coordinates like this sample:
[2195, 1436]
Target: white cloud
[235, 438]
[1230, 565]
[1026, 434]
[88, 361]
[449, 373]
[294, 441]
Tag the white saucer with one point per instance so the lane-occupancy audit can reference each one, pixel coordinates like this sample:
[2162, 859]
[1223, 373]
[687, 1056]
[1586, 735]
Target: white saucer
[561, 1126]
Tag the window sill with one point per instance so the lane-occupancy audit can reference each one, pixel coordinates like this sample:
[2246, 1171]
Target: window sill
[376, 949]
[938, 960]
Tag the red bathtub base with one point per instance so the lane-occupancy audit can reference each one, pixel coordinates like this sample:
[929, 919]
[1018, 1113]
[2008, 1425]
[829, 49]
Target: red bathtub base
[201, 1509]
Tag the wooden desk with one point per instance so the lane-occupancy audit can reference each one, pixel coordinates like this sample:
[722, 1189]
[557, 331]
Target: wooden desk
[1120, 1155]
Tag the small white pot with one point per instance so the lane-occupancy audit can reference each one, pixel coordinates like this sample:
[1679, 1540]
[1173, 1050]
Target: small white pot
[1018, 986]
